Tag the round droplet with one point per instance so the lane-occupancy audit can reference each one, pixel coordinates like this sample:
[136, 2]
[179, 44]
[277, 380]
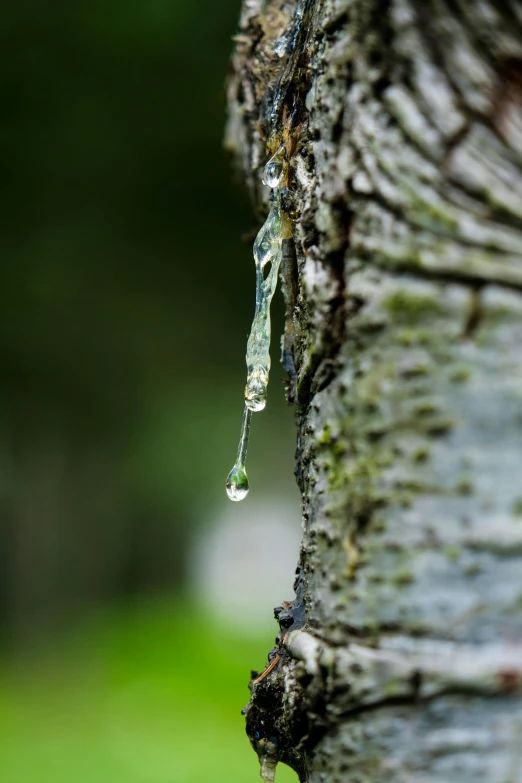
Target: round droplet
[273, 173]
[255, 389]
[255, 404]
[237, 483]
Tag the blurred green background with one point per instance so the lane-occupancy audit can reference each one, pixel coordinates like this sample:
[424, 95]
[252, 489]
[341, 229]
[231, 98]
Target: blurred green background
[129, 620]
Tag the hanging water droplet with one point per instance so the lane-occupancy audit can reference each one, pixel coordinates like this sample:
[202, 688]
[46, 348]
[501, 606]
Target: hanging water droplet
[237, 483]
[237, 480]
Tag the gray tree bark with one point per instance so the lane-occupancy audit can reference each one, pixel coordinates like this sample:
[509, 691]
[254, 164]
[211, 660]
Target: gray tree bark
[400, 659]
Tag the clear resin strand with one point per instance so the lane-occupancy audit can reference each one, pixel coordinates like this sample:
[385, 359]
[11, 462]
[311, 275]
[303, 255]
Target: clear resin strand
[268, 252]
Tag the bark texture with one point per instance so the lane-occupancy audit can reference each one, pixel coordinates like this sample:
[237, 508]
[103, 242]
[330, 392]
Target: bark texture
[404, 328]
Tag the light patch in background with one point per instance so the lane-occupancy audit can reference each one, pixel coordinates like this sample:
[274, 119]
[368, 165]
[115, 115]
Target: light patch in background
[243, 564]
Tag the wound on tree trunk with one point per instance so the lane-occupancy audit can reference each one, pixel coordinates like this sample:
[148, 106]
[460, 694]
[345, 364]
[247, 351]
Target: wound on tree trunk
[400, 660]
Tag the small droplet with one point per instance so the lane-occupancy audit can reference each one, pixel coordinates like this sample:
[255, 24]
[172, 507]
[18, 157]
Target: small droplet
[273, 171]
[237, 483]
[255, 389]
[255, 404]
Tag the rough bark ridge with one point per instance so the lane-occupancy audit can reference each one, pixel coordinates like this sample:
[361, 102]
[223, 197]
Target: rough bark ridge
[404, 301]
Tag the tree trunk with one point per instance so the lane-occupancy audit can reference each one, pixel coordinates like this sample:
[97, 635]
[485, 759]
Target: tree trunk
[404, 326]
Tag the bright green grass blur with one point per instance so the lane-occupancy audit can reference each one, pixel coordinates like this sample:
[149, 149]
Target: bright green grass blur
[151, 695]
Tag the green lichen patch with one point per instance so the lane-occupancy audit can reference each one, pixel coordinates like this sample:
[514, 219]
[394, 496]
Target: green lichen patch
[438, 427]
[409, 308]
[403, 577]
[453, 552]
[417, 369]
[464, 486]
[325, 436]
[425, 408]
[460, 374]
[411, 337]
[421, 455]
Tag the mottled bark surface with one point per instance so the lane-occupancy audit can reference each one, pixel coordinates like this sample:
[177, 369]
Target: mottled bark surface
[405, 327]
